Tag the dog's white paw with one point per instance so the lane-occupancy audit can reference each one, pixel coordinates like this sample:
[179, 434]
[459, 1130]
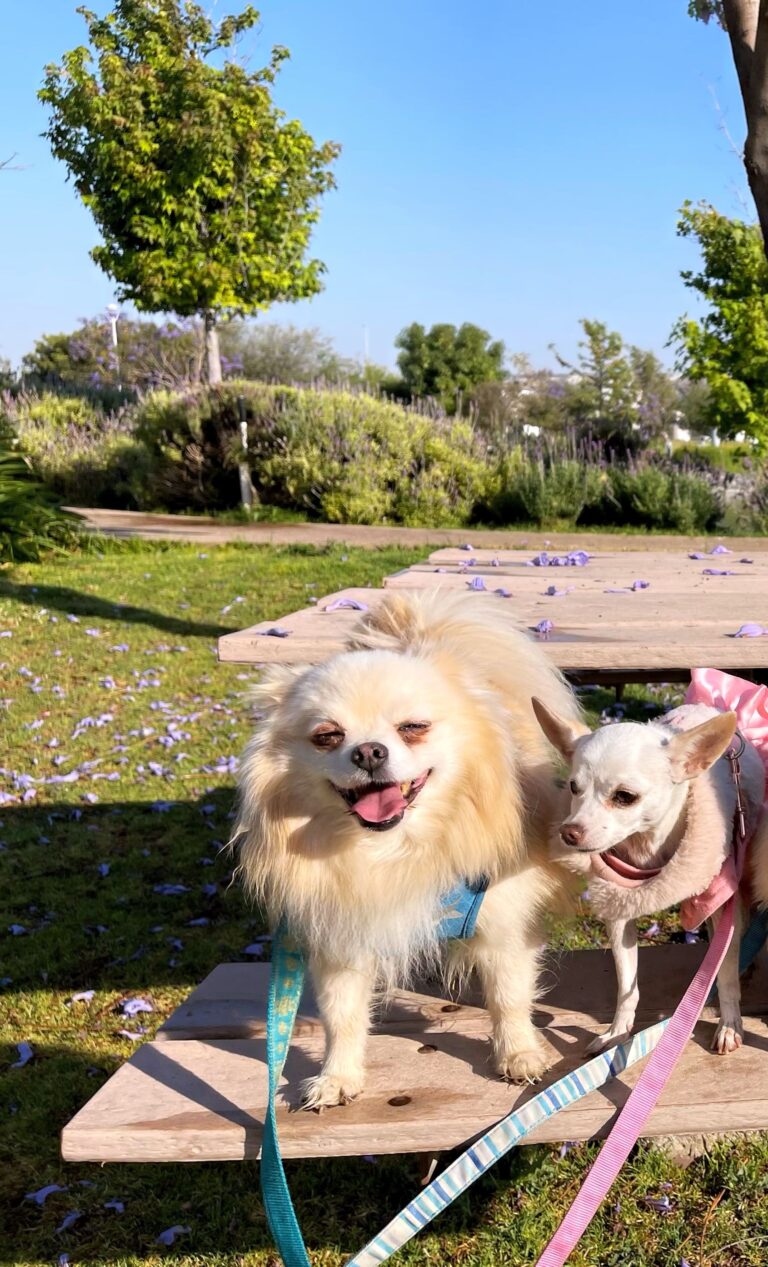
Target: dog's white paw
[523, 1066]
[326, 1091]
[728, 1038]
[613, 1035]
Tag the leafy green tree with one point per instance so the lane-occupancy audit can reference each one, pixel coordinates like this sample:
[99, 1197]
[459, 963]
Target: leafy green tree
[283, 354]
[204, 193]
[728, 347]
[447, 363]
[746, 24]
[602, 395]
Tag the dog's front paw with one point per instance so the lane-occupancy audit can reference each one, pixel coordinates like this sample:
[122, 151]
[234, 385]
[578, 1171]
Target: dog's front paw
[522, 1066]
[728, 1037]
[327, 1090]
[616, 1034]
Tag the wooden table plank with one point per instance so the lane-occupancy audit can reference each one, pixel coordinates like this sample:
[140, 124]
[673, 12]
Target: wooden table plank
[649, 554]
[204, 1100]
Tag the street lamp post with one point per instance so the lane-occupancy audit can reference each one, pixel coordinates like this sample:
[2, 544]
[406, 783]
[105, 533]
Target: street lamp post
[113, 312]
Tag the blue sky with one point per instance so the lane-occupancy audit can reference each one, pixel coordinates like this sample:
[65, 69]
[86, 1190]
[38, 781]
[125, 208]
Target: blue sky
[518, 166]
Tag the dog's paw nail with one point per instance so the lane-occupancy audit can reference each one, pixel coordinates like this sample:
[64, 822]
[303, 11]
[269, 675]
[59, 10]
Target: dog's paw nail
[524, 1067]
[326, 1091]
[727, 1039]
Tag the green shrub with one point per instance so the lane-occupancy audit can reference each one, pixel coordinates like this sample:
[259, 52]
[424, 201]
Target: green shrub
[30, 521]
[678, 501]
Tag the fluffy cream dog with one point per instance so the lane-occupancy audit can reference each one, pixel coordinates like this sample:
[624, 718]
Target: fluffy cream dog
[378, 780]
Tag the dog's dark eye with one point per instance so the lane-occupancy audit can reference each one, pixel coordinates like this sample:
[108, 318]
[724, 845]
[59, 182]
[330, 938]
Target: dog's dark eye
[574, 788]
[413, 731]
[329, 735]
[622, 797]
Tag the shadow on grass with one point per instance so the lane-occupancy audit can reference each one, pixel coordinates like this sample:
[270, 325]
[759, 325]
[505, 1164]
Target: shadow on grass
[62, 599]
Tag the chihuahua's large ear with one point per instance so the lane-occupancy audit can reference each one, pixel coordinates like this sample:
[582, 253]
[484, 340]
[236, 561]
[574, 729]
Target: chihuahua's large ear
[691, 752]
[561, 732]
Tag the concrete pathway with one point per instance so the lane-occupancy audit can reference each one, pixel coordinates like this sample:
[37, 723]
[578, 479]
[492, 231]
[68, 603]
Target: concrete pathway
[202, 531]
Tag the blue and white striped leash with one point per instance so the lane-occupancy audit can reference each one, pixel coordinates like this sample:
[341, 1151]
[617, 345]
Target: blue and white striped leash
[487, 1150]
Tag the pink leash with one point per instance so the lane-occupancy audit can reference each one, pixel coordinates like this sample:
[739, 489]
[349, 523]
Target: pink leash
[629, 1125]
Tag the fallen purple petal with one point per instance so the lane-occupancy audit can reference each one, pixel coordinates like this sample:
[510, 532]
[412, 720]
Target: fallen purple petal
[750, 630]
[477, 583]
[716, 572]
[169, 1235]
[697, 554]
[256, 948]
[171, 890]
[83, 996]
[544, 628]
[117, 1206]
[16, 930]
[274, 632]
[202, 921]
[653, 930]
[640, 585]
[41, 1196]
[342, 604]
[135, 1036]
[720, 549]
[746, 560]
[466, 546]
[132, 1007]
[103, 869]
[68, 1221]
[502, 592]
[662, 1205]
[691, 938]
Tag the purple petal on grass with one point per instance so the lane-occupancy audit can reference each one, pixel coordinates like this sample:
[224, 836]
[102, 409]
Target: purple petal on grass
[103, 869]
[720, 549]
[341, 604]
[132, 1007]
[117, 1206]
[74, 619]
[477, 583]
[134, 1035]
[566, 1147]
[662, 1205]
[25, 1055]
[93, 633]
[716, 572]
[171, 890]
[41, 1196]
[691, 938]
[652, 931]
[502, 592]
[256, 948]
[274, 632]
[750, 630]
[6, 633]
[201, 922]
[90, 797]
[169, 1235]
[83, 996]
[120, 646]
[209, 890]
[16, 930]
[68, 1221]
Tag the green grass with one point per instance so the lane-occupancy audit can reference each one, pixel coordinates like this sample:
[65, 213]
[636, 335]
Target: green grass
[112, 933]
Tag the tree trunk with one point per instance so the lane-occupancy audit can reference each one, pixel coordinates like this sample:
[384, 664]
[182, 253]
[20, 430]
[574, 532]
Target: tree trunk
[213, 374]
[747, 25]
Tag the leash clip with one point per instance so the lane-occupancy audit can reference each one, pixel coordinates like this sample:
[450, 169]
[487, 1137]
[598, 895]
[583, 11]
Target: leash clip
[733, 755]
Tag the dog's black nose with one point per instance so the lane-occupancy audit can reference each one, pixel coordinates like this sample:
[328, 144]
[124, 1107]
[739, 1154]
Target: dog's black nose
[370, 756]
[572, 834]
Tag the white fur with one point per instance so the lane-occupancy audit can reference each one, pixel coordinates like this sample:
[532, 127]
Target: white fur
[365, 904]
[681, 821]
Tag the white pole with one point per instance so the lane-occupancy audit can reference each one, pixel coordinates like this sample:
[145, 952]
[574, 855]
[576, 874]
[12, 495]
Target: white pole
[113, 312]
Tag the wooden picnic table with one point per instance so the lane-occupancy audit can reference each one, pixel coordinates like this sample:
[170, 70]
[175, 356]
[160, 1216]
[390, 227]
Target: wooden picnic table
[198, 1092]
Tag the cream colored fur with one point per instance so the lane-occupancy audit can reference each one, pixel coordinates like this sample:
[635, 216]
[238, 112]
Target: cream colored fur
[366, 903]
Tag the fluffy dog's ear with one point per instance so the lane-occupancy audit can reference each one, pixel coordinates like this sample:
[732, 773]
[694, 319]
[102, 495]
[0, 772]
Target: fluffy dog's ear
[560, 731]
[691, 752]
[274, 684]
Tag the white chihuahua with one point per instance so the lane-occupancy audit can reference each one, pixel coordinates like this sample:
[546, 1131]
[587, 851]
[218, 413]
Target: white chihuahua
[651, 820]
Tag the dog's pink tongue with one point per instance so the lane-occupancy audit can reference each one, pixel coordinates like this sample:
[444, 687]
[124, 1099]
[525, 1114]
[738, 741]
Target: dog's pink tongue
[380, 804]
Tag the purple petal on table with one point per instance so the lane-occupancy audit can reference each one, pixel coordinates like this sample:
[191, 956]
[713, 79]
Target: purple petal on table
[640, 585]
[539, 560]
[578, 558]
[83, 996]
[344, 604]
[169, 1235]
[544, 628]
[16, 930]
[720, 549]
[274, 632]
[697, 554]
[495, 563]
[466, 546]
[441, 569]
[132, 1007]
[41, 1196]
[25, 1055]
[68, 1221]
[553, 592]
[746, 560]
[716, 572]
[502, 592]
[117, 1206]
[618, 590]
[477, 583]
[750, 630]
